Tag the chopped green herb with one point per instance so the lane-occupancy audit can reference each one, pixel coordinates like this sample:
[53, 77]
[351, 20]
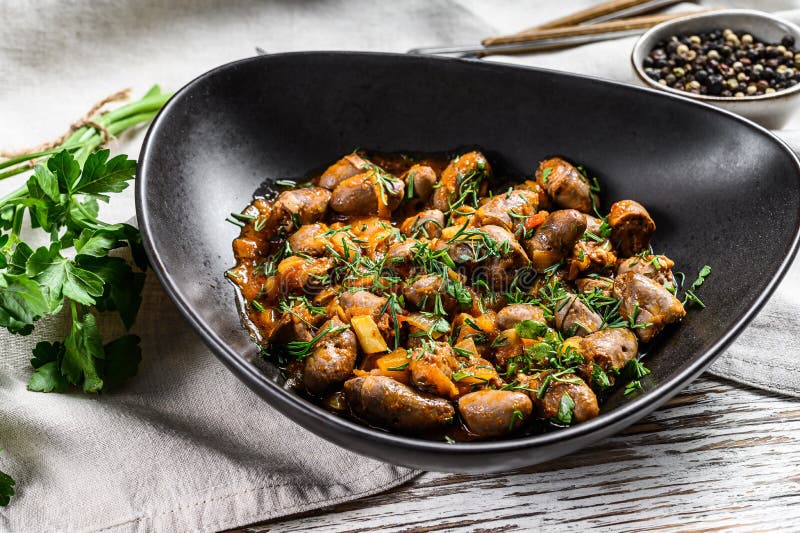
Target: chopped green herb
[516, 417]
[600, 378]
[565, 409]
[531, 329]
[302, 349]
[632, 387]
[690, 293]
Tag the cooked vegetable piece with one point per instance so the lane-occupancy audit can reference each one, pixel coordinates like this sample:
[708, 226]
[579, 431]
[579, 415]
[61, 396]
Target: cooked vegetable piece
[631, 226]
[574, 317]
[389, 404]
[550, 389]
[509, 211]
[493, 413]
[565, 184]
[432, 369]
[461, 182]
[513, 314]
[346, 167]
[297, 207]
[298, 275]
[428, 224]
[554, 240]
[655, 267]
[332, 360]
[647, 305]
[418, 182]
[369, 337]
[370, 193]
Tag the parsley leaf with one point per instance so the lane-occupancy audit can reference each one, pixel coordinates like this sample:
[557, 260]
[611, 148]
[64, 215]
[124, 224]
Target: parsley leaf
[6, 488]
[48, 378]
[100, 176]
[65, 168]
[123, 286]
[600, 378]
[21, 303]
[565, 409]
[61, 277]
[690, 293]
[531, 329]
[46, 360]
[47, 182]
[82, 348]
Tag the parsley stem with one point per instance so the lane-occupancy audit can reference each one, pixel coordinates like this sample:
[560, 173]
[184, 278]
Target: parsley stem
[87, 138]
[147, 105]
[74, 309]
[16, 195]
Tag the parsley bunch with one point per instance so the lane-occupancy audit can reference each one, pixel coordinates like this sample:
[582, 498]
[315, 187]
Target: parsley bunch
[75, 270]
[61, 200]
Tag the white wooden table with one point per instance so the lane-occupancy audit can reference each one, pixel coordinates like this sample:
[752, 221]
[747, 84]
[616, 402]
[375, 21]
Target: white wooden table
[718, 456]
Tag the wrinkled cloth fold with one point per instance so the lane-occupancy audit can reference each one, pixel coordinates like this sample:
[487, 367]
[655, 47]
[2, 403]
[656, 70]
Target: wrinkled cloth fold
[185, 446]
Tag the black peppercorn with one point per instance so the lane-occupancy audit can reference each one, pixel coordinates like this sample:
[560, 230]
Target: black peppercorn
[724, 63]
[714, 84]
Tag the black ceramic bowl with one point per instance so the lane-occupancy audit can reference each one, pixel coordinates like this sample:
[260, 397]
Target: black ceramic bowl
[722, 190]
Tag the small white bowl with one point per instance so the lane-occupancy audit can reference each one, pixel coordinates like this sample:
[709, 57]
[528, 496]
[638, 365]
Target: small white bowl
[769, 110]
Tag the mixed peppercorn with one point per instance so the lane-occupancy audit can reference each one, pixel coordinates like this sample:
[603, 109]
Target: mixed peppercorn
[724, 63]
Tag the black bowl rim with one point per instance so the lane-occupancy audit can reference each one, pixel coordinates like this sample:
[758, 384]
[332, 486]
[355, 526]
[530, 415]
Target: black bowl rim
[312, 415]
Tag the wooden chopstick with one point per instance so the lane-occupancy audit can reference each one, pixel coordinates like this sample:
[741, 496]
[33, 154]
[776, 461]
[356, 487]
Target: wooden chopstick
[600, 10]
[633, 23]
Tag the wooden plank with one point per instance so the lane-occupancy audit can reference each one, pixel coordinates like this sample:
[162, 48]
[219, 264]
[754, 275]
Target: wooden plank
[718, 456]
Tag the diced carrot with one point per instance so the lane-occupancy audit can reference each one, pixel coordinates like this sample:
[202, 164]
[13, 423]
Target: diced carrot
[398, 359]
[536, 220]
